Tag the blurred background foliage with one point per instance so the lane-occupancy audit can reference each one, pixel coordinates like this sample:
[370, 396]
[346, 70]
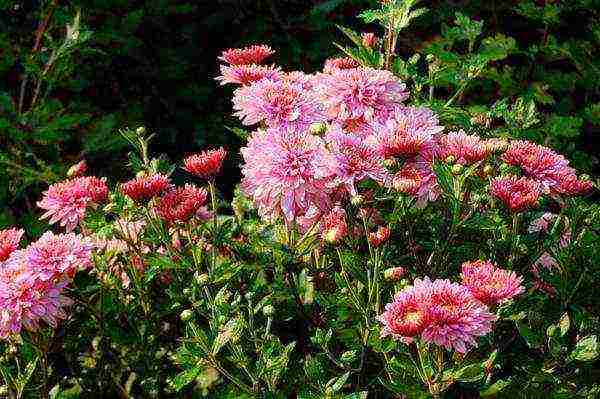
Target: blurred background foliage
[73, 73]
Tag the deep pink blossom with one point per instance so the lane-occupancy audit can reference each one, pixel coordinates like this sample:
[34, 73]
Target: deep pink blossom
[255, 54]
[248, 74]
[336, 64]
[66, 202]
[438, 312]
[279, 104]
[369, 39]
[464, 148]
[490, 284]
[146, 187]
[205, 164]
[181, 204]
[379, 236]
[360, 93]
[286, 174]
[518, 194]
[552, 170]
[9, 242]
[334, 226]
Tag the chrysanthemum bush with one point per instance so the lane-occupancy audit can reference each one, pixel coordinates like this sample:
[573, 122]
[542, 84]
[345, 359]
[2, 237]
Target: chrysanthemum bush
[373, 249]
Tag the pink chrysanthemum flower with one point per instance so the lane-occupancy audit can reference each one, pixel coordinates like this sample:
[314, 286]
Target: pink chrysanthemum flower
[182, 204]
[360, 93]
[543, 164]
[66, 202]
[406, 131]
[333, 226]
[286, 174]
[518, 194]
[543, 224]
[144, 188]
[26, 300]
[9, 242]
[354, 161]
[279, 104]
[54, 256]
[336, 64]
[369, 39]
[247, 74]
[246, 56]
[78, 169]
[205, 164]
[406, 316]
[490, 284]
[408, 180]
[455, 317]
[566, 182]
[418, 173]
[299, 78]
[464, 148]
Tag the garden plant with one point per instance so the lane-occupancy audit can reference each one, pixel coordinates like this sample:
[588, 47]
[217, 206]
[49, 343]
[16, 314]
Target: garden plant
[388, 239]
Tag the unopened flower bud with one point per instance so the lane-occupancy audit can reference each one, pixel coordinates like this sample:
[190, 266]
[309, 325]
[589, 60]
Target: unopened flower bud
[78, 169]
[140, 130]
[357, 200]
[318, 129]
[201, 279]
[380, 236]
[186, 315]
[394, 273]
[369, 39]
[268, 310]
[488, 170]
[450, 159]
[457, 169]
[584, 177]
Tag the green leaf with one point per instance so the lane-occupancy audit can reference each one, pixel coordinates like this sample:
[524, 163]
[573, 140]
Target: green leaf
[495, 388]
[335, 384]
[564, 323]
[586, 349]
[184, 378]
[230, 332]
[471, 373]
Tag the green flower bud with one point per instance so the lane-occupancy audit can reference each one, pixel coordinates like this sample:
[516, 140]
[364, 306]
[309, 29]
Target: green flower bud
[357, 200]
[186, 315]
[268, 310]
[140, 130]
[450, 159]
[457, 169]
[201, 279]
[488, 170]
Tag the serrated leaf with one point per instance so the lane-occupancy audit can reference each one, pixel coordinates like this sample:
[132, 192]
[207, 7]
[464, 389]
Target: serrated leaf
[335, 384]
[495, 388]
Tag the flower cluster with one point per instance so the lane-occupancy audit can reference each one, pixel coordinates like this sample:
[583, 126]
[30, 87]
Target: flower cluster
[439, 312]
[547, 167]
[66, 202]
[33, 280]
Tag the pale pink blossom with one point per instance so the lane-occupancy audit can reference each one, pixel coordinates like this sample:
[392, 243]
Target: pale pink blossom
[466, 149]
[405, 132]
[287, 174]
[66, 202]
[354, 161]
[279, 104]
[360, 93]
